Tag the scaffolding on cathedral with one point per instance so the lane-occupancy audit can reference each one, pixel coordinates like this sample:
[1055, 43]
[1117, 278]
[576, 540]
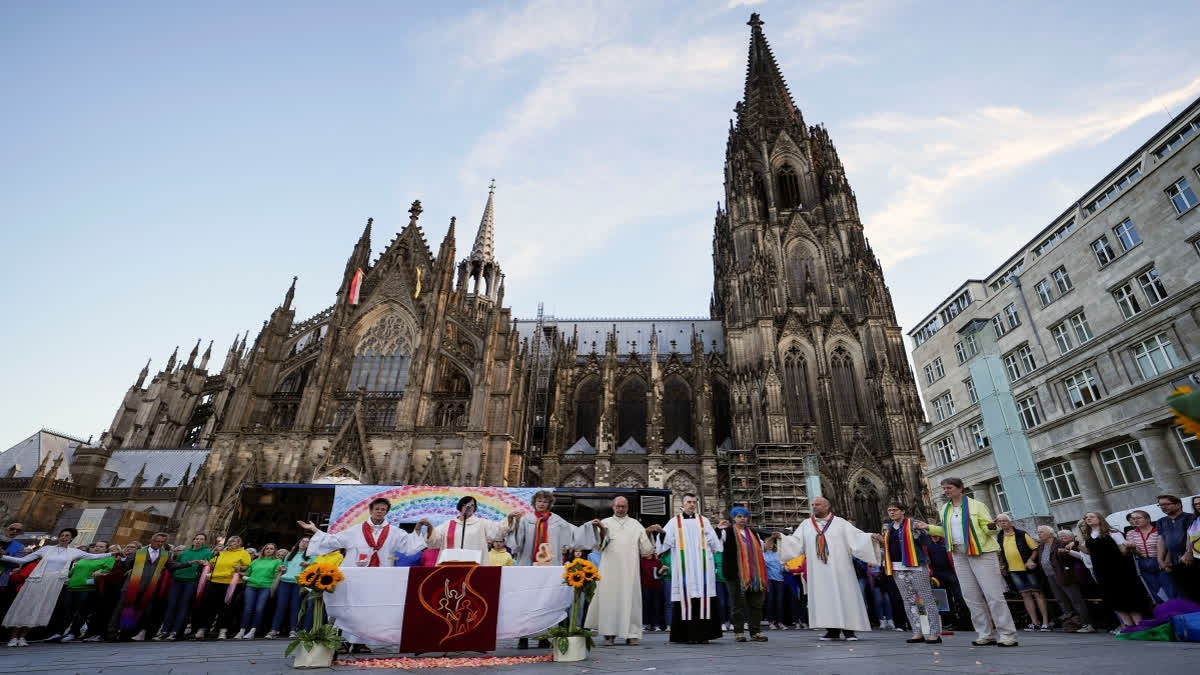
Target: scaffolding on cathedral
[544, 339]
[769, 480]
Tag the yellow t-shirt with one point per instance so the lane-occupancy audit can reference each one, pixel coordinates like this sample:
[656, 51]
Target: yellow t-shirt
[1013, 557]
[222, 568]
[499, 558]
[334, 558]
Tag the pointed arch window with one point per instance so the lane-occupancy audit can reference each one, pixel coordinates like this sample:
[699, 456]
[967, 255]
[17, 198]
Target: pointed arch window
[722, 413]
[677, 410]
[844, 386]
[795, 371]
[631, 411]
[789, 187]
[801, 271]
[866, 503]
[382, 357]
[588, 397]
[760, 195]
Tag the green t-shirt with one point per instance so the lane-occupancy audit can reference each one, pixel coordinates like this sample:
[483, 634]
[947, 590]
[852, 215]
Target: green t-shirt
[191, 572]
[81, 573]
[718, 568]
[261, 573]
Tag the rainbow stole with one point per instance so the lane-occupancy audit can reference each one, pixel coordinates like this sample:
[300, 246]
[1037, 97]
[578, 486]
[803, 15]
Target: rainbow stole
[752, 566]
[137, 599]
[970, 538]
[685, 602]
[908, 548]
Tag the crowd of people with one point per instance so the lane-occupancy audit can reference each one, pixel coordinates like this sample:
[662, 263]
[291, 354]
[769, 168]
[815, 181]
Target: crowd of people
[690, 577]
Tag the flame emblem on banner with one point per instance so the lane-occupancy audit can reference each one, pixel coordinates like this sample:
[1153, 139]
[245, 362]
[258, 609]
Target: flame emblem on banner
[456, 603]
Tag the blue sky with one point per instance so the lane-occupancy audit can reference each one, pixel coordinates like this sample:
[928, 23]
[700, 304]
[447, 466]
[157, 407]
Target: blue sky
[167, 169]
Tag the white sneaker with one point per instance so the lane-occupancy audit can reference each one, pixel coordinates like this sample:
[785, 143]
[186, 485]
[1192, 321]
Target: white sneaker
[22, 643]
[199, 634]
[68, 637]
[292, 635]
[12, 642]
[237, 636]
[94, 638]
[223, 634]
[271, 635]
[139, 637]
[1085, 628]
[171, 637]
[249, 635]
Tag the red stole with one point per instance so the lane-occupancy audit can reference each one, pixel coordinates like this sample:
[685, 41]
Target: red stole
[375, 545]
[541, 531]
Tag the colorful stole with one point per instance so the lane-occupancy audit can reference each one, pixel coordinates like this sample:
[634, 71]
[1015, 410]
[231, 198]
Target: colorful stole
[451, 529]
[685, 602]
[541, 531]
[822, 544]
[970, 538]
[138, 599]
[752, 566]
[375, 545]
[908, 547]
[203, 581]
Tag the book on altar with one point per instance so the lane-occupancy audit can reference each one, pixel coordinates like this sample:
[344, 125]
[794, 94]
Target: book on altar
[459, 555]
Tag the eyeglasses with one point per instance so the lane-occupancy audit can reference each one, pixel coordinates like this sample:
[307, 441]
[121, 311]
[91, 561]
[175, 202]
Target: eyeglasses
[14, 529]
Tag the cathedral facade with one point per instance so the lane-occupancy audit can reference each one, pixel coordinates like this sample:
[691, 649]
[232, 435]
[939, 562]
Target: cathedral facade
[418, 373]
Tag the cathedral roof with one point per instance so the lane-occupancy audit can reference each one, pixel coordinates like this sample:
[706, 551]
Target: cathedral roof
[159, 468]
[44, 445]
[633, 335]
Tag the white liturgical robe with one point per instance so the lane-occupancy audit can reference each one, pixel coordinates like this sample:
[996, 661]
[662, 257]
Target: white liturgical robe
[562, 534]
[352, 539]
[474, 535]
[834, 598]
[690, 564]
[616, 608]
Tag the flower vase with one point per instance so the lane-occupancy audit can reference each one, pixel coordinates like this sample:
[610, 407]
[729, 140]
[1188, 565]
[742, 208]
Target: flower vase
[576, 649]
[317, 657]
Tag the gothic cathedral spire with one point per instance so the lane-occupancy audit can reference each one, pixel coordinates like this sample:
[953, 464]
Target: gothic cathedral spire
[767, 103]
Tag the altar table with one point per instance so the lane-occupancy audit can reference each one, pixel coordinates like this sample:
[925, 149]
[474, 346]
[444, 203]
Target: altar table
[369, 603]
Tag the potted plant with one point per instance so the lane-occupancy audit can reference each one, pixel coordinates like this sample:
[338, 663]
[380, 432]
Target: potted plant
[572, 642]
[317, 645]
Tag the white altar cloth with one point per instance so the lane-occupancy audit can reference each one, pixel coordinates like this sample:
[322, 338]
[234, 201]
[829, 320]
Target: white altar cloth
[370, 602]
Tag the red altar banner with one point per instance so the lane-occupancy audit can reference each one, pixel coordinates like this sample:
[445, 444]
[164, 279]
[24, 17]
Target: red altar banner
[451, 608]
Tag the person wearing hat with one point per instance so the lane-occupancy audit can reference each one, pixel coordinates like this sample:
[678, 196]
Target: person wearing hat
[469, 531]
[745, 570]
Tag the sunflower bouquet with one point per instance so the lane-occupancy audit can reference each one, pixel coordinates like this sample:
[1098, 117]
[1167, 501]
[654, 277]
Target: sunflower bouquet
[582, 576]
[315, 581]
[1185, 403]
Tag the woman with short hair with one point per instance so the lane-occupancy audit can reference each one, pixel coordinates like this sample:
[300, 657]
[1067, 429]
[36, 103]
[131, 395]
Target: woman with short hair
[35, 602]
[1119, 584]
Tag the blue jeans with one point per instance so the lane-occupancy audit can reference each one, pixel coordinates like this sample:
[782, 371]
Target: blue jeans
[652, 608]
[1155, 579]
[287, 606]
[667, 599]
[777, 601]
[179, 603]
[723, 598]
[883, 604]
[252, 610]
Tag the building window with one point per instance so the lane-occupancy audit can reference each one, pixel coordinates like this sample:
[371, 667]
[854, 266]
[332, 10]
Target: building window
[943, 406]
[1181, 195]
[1060, 482]
[1152, 286]
[1127, 235]
[1062, 280]
[960, 351]
[1155, 356]
[789, 188]
[1191, 446]
[1178, 139]
[1045, 292]
[1025, 355]
[999, 326]
[1125, 464]
[979, 436]
[929, 373]
[1082, 389]
[1001, 497]
[938, 368]
[1027, 410]
[1013, 367]
[1127, 301]
[943, 450]
[956, 306]
[1079, 323]
[1010, 313]
[1103, 250]
[972, 396]
[972, 345]
[1062, 337]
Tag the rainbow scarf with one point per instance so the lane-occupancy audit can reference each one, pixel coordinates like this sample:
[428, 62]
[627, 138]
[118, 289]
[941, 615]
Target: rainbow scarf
[908, 547]
[752, 566]
[541, 530]
[137, 597]
[822, 544]
[685, 602]
[970, 538]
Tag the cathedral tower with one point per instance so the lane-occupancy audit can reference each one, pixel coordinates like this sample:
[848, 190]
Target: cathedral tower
[816, 356]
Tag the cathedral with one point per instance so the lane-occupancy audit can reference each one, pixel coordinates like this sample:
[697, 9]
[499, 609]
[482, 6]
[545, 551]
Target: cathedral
[418, 373]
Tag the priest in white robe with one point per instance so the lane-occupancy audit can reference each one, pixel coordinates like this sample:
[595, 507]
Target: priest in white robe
[691, 540]
[375, 543]
[616, 608]
[543, 526]
[829, 542]
[468, 531]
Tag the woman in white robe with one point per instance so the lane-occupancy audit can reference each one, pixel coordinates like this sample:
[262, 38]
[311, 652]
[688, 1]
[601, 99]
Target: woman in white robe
[469, 531]
[35, 602]
[561, 534]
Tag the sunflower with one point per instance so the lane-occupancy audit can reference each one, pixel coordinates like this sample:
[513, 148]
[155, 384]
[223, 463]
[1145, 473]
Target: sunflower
[307, 577]
[589, 575]
[577, 579]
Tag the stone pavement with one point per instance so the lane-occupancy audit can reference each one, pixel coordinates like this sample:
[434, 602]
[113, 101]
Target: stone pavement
[787, 652]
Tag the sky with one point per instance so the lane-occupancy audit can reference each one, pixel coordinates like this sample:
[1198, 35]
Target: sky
[167, 168]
